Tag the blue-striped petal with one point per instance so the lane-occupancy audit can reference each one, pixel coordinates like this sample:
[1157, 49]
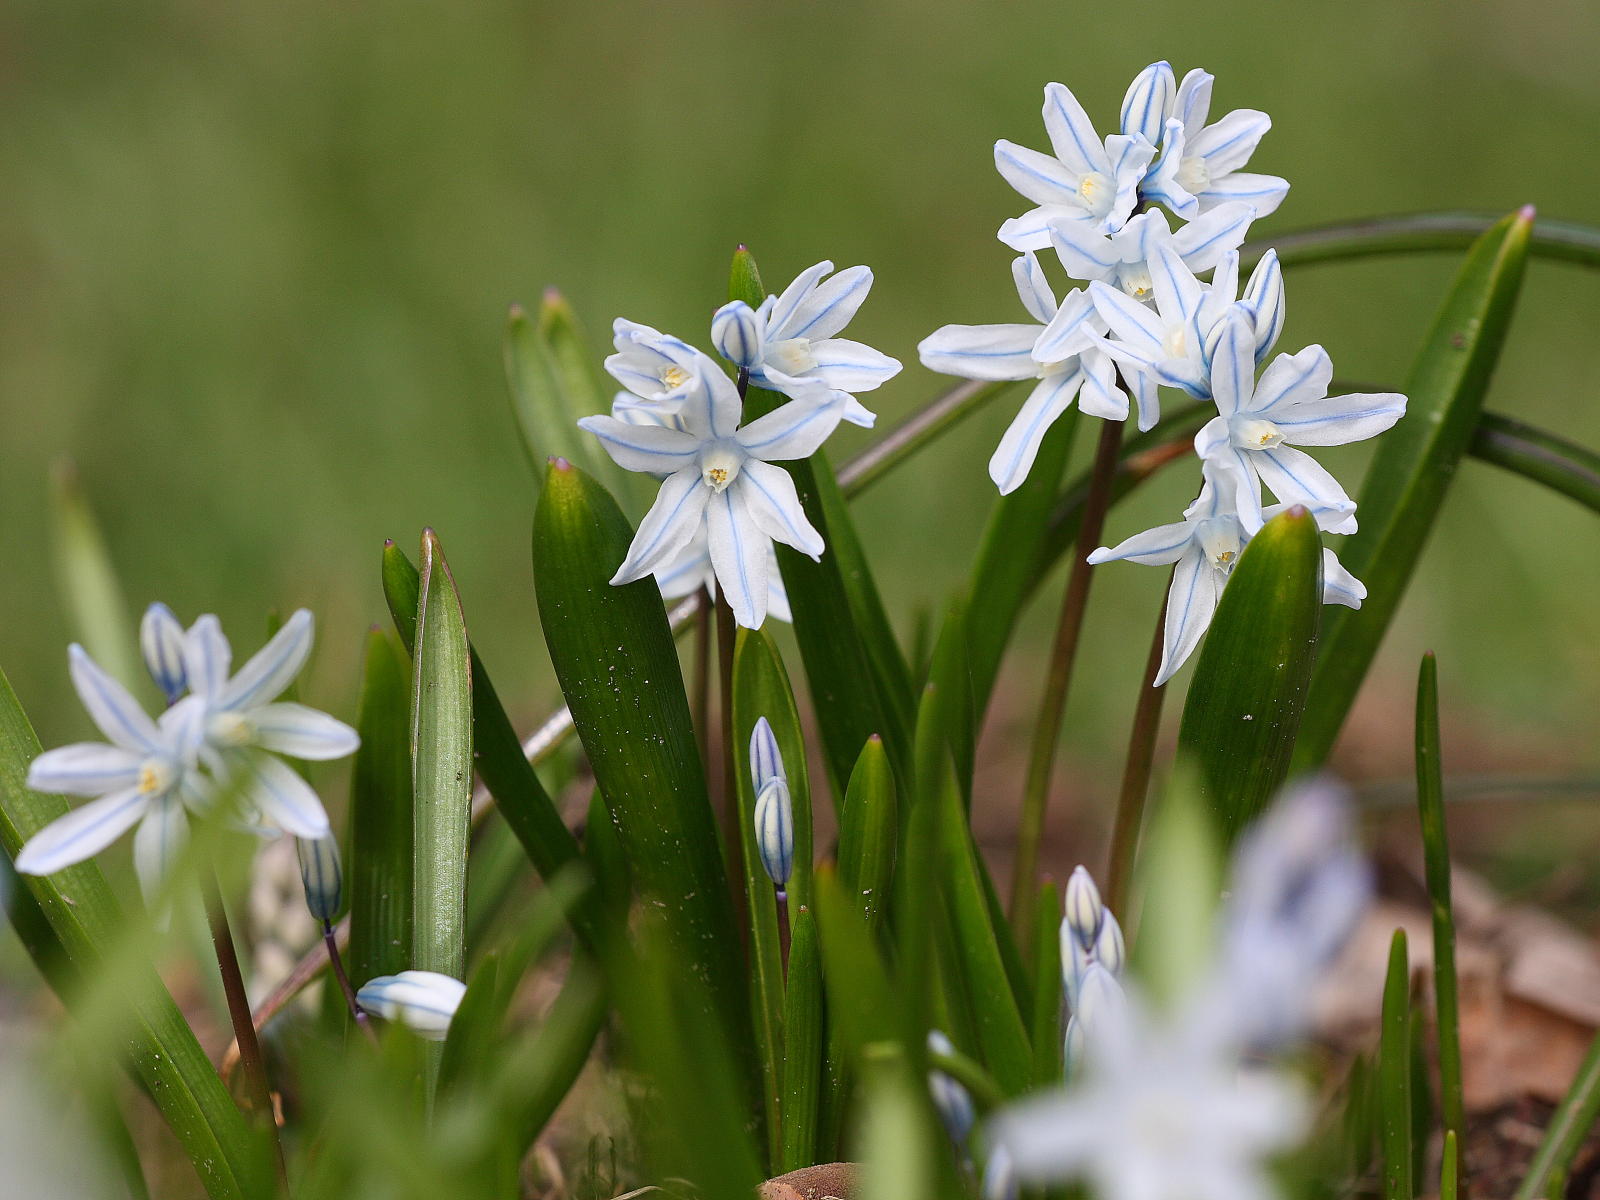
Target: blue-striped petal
[85, 769]
[766, 760]
[283, 797]
[110, 705]
[774, 821]
[1191, 603]
[272, 668]
[302, 732]
[739, 557]
[161, 642]
[322, 876]
[82, 833]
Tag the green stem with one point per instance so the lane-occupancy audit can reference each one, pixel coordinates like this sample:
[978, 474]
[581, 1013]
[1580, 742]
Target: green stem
[1411, 233]
[1436, 859]
[1568, 1129]
[1136, 772]
[1562, 466]
[1046, 733]
[916, 431]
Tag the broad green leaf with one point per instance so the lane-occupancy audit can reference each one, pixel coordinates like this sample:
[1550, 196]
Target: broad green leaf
[899, 1148]
[1394, 1075]
[869, 833]
[501, 764]
[618, 668]
[380, 866]
[162, 1054]
[1046, 1015]
[474, 1029]
[1249, 688]
[1413, 467]
[862, 1003]
[86, 580]
[1436, 860]
[441, 770]
[497, 870]
[1179, 881]
[803, 1045]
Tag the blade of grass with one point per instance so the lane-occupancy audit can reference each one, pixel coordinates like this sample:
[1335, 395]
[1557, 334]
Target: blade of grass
[1394, 1075]
[1436, 861]
[1567, 1131]
[803, 1046]
[86, 579]
[380, 817]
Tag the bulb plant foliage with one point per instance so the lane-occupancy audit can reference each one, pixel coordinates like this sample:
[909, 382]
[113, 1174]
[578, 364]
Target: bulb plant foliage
[861, 1014]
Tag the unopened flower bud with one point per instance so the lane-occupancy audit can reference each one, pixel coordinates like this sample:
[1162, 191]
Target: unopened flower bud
[161, 643]
[774, 818]
[423, 1001]
[999, 1179]
[1083, 908]
[949, 1097]
[736, 333]
[1110, 951]
[322, 875]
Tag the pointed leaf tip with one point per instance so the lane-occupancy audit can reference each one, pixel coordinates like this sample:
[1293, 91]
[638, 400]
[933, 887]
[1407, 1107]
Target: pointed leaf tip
[557, 463]
[1527, 213]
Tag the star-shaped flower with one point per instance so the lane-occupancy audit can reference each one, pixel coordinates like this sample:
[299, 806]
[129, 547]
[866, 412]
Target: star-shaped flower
[788, 344]
[719, 477]
[1122, 259]
[1259, 424]
[654, 366]
[1205, 546]
[1084, 181]
[1075, 368]
[1199, 165]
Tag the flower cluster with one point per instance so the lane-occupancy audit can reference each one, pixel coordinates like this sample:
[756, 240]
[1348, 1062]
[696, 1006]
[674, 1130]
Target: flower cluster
[1145, 318]
[723, 502]
[218, 739]
[1093, 954]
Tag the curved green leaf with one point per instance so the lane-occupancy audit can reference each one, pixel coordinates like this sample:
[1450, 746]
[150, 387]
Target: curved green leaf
[1410, 233]
[869, 833]
[803, 1046]
[1539, 456]
[1245, 702]
[1413, 467]
[380, 818]
[86, 580]
[1567, 1131]
[761, 689]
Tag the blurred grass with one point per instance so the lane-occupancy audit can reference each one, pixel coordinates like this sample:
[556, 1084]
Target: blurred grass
[255, 261]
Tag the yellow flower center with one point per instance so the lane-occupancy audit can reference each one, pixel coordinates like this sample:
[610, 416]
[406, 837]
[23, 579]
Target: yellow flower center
[674, 376]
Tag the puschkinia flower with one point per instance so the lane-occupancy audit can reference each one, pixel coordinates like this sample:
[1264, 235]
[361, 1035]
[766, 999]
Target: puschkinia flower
[423, 1001]
[774, 810]
[1122, 259]
[1084, 181]
[1199, 164]
[656, 367]
[1092, 957]
[1259, 424]
[245, 730]
[1205, 546]
[692, 570]
[950, 1098]
[789, 345]
[161, 638]
[1172, 340]
[322, 875]
[147, 773]
[718, 476]
[1075, 368]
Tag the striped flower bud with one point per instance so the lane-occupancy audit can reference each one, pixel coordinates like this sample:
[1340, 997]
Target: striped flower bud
[1083, 909]
[951, 1099]
[161, 644]
[1110, 951]
[774, 814]
[322, 875]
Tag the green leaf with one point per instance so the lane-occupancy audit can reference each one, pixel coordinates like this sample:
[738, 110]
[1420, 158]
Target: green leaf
[1394, 1075]
[501, 764]
[803, 1046]
[1047, 1031]
[230, 1157]
[618, 668]
[1567, 1131]
[900, 1148]
[1539, 456]
[869, 833]
[1245, 702]
[1413, 467]
[441, 770]
[1449, 1167]
[380, 864]
[475, 1028]
[1436, 859]
[862, 1002]
[1179, 877]
[1411, 233]
[86, 580]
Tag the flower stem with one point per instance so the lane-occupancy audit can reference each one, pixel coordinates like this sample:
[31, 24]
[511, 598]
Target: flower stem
[1042, 755]
[258, 1093]
[336, 961]
[1136, 772]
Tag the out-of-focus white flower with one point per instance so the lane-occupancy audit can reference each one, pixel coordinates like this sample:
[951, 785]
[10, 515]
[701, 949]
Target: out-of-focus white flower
[147, 774]
[999, 1179]
[774, 810]
[1259, 424]
[952, 1100]
[1198, 169]
[719, 477]
[1084, 181]
[789, 345]
[1073, 369]
[423, 1001]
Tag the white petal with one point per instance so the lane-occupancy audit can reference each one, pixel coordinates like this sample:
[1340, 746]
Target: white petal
[982, 351]
[1100, 395]
[1154, 547]
[272, 668]
[651, 448]
[1263, 296]
[1338, 585]
[82, 833]
[1071, 331]
[676, 516]
[1031, 231]
[793, 430]
[207, 657]
[1136, 325]
[1297, 478]
[688, 572]
[424, 1001]
[1040, 178]
[1191, 603]
[1013, 457]
[157, 845]
[1293, 379]
[1263, 193]
[796, 294]
[302, 732]
[85, 769]
[1228, 145]
[1208, 237]
[774, 827]
[1084, 250]
[1178, 293]
[739, 557]
[1148, 101]
[851, 366]
[827, 309]
[1193, 103]
[1161, 184]
[769, 496]
[736, 333]
[1339, 420]
[1147, 396]
[161, 642]
[1033, 289]
[1072, 134]
[1130, 159]
[1053, 1136]
[1233, 367]
[711, 403]
[115, 711]
[183, 729]
[285, 800]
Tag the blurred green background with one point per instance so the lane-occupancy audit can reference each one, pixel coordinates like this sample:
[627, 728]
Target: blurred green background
[255, 261]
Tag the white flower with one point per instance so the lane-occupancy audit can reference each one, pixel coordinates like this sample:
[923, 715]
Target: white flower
[691, 571]
[950, 1098]
[774, 810]
[1173, 340]
[788, 344]
[245, 730]
[1085, 181]
[1122, 259]
[423, 1001]
[1258, 424]
[161, 643]
[1205, 546]
[1199, 165]
[719, 477]
[147, 774]
[654, 366]
[1074, 369]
